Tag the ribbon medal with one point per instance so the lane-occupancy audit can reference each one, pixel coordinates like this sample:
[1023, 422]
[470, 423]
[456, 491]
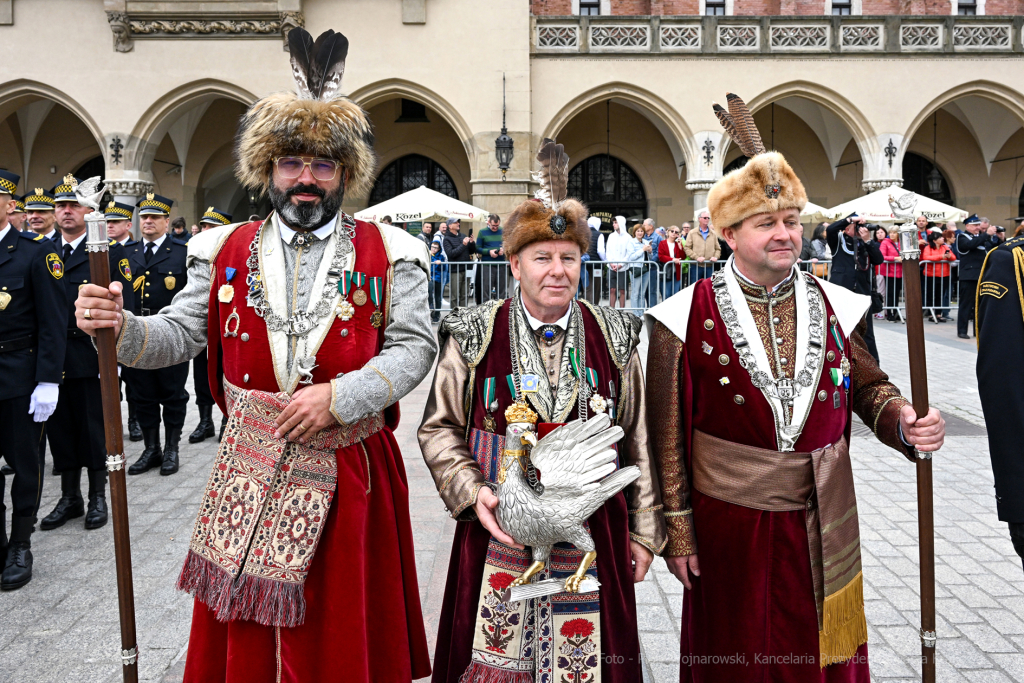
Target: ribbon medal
[227, 292]
[490, 403]
[359, 296]
[345, 310]
[597, 402]
[376, 295]
[512, 387]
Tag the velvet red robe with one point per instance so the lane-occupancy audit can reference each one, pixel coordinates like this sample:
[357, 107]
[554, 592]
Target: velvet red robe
[363, 620]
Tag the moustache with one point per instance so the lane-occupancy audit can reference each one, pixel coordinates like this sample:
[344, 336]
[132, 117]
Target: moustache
[304, 189]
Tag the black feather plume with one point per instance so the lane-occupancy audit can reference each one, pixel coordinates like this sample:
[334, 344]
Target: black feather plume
[329, 53]
[300, 45]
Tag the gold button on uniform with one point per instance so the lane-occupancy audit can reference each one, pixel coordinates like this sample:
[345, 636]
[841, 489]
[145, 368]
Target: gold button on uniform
[739, 399]
[822, 395]
[831, 355]
[709, 324]
[723, 359]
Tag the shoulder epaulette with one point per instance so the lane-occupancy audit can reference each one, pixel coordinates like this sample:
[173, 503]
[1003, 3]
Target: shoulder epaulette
[182, 243]
[471, 327]
[621, 330]
[31, 236]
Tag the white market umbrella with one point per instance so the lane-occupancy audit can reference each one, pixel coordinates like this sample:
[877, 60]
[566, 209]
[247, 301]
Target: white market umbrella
[422, 204]
[904, 207]
[813, 213]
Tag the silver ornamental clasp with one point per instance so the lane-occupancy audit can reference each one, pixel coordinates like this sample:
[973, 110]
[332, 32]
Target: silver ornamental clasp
[301, 325]
[785, 389]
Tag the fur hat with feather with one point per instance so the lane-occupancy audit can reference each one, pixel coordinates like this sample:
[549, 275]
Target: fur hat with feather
[315, 120]
[765, 185]
[550, 215]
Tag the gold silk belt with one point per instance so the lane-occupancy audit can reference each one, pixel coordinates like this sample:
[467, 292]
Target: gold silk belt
[820, 482]
[263, 512]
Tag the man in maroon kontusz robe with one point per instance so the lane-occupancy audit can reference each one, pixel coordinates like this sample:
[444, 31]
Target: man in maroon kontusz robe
[565, 360]
[301, 562]
[757, 372]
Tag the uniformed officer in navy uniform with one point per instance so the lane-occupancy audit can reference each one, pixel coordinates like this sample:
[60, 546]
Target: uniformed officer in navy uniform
[18, 217]
[972, 247]
[33, 335]
[159, 261]
[213, 218]
[39, 208]
[76, 429]
[999, 328]
[119, 229]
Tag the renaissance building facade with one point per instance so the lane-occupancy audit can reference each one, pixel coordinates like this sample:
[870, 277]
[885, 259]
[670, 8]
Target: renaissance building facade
[857, 94]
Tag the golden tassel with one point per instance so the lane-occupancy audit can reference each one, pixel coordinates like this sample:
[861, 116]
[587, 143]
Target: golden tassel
[844, 625]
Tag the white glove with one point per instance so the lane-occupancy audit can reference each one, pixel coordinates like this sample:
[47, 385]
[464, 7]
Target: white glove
[43, 401]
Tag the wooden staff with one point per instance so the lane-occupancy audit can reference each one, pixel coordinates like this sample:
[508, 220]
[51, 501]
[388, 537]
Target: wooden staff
[911, 254]
[113, 429]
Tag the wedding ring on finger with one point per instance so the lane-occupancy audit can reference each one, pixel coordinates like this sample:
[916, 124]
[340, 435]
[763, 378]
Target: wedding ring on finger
[88, 314]
[302, 427]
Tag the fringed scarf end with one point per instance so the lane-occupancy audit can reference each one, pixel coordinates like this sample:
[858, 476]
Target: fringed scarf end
[206, 582]
[267, 602]
[845, 626]
[478, 672]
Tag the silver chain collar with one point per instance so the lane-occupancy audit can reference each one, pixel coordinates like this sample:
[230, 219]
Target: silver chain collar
[300, 323]
[782, 388]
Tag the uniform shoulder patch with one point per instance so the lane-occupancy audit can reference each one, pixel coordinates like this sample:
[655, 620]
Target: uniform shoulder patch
[992, 289]
[125, 269]
[55, 266]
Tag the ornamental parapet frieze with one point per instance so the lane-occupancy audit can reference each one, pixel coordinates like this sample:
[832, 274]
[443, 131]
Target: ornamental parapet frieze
[740, 37]
[128, 188]
[127, 27]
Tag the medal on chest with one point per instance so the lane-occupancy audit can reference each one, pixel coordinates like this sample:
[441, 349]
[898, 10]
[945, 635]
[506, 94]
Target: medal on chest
[345, 310]
[376, 295]
[5, 299]
[841, 375]
[227, 291]
[490, 404]
[359, 296]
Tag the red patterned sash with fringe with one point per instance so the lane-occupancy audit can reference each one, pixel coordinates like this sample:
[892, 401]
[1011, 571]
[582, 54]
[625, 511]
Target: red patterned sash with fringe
[263, 511]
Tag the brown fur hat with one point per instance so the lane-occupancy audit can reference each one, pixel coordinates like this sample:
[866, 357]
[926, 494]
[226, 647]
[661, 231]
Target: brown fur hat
[765, 185]
[282, 124]
[531, 222]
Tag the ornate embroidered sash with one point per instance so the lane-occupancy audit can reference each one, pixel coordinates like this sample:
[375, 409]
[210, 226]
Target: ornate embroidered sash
[556, 638]
[263, 512]
[820, 482]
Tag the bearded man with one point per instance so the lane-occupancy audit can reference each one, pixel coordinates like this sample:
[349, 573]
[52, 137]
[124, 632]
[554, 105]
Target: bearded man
[317, 324]
[757, 374]
[560, 356]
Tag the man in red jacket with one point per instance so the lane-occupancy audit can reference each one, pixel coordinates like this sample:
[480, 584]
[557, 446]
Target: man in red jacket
[301, 562]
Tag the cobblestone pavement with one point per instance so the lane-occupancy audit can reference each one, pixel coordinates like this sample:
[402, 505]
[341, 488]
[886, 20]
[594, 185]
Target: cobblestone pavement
[63, 625]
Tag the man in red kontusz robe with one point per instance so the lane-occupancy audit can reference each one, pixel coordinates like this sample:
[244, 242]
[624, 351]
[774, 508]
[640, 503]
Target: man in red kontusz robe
[757, 372]
[301, 562]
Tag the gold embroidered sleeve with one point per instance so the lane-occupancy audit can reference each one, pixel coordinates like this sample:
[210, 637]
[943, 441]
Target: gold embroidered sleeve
[875, 399]
[442, 435]
[666, 367]
[643, 497]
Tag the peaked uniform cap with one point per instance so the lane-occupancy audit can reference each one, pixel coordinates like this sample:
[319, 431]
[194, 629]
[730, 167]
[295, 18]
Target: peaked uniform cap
[8, 182]
[65, 191]
[216, 217]
[316, 120]
[155, 205]
[19, 204]
[116, 211]
[39, 200]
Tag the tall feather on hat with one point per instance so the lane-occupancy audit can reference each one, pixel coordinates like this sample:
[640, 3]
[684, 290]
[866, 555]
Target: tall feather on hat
[315, 120]
[765, 185]
[551, 214]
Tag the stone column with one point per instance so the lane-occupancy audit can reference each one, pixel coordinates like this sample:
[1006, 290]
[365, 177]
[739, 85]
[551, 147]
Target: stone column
[706, 168]
[883, 162]
[129, 191]
[488, 190]
[700, 189]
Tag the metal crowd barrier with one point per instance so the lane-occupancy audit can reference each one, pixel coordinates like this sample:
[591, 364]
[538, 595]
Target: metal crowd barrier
[939, 290]
[638, 285]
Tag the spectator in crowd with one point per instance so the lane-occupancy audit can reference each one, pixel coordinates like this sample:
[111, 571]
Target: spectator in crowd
[935, 258]
[639, 251]
[437, 273]
[493, 271]
[806, 253]
[590, 280]
[386, 220]
[950, 237]
[819, 251]
[179, 231]
[671, 255]
[427, 233]
[891, 274]
[617, 250]
[702, 246]
[458, 249]
[1001, 233]
[972, 246]
[923, 224]
[650, 274]
[853, 254]
[684, 231]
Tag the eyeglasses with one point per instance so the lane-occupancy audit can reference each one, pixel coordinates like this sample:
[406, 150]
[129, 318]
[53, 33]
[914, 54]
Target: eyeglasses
[292, 167]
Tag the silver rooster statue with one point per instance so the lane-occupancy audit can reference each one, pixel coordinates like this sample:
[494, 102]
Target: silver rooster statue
[903, 208]
[575, 465]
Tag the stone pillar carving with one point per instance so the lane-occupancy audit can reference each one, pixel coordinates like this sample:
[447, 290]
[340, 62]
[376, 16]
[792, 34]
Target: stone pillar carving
[700, 189]
[883, 163]
[128, 189]
[290, 20]
[122, 31]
